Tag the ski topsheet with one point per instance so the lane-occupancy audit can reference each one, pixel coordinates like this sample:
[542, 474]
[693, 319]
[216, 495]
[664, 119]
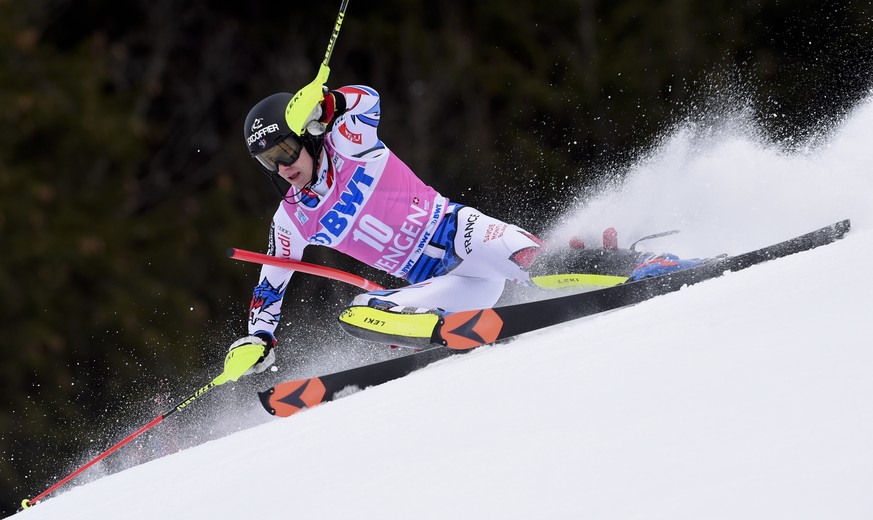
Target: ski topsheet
[464, 330]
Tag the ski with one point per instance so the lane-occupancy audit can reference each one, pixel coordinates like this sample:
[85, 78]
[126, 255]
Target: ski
[470, 329]
[461, 331]
[288, 398]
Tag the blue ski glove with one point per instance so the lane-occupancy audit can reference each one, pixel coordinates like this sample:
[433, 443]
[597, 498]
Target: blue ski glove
[261, 339]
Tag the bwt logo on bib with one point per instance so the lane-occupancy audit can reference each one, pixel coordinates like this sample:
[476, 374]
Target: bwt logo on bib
[336, 221]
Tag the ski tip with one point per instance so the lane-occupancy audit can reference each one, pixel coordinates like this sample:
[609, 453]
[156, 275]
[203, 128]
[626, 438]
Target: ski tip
[264, 397]
[286, 399]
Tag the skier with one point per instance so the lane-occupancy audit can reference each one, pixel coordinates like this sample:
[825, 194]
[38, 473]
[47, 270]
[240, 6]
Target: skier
[351, 193]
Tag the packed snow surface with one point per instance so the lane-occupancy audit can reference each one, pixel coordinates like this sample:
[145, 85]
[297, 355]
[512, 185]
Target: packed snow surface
[747, 396]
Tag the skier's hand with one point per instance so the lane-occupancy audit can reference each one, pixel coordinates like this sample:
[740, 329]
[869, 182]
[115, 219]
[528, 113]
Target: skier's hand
[323, 113]
[328, 106]
[263, 342]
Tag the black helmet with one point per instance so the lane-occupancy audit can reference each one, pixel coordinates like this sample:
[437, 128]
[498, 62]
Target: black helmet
[269, 138]
[265, 125]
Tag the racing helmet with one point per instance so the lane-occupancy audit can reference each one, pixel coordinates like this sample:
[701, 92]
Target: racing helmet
[269, 137]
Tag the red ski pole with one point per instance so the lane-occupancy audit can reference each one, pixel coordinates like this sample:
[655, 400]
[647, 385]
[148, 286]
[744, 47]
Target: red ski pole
[237, 361]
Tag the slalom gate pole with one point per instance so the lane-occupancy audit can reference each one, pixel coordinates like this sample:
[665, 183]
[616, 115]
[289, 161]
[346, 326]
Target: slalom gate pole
[303, 267]
[235, 363]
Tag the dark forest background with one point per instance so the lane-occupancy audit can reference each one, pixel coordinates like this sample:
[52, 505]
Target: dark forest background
[124, 177]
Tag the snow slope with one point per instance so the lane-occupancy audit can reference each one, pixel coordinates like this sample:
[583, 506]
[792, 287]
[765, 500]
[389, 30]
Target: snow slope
[744, 397]
[747, 397]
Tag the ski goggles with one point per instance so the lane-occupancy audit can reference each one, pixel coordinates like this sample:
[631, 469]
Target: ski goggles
[284, 152]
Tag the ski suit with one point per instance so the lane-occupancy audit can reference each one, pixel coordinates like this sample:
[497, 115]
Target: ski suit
[366, 203]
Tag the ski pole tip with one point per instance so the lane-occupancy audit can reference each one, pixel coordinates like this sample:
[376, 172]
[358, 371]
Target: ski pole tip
[25, 504]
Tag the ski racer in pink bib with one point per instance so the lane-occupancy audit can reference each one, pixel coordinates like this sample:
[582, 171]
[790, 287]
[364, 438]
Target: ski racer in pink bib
[349, 192]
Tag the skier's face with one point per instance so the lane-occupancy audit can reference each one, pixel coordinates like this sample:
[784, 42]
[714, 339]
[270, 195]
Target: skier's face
[299, 173]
